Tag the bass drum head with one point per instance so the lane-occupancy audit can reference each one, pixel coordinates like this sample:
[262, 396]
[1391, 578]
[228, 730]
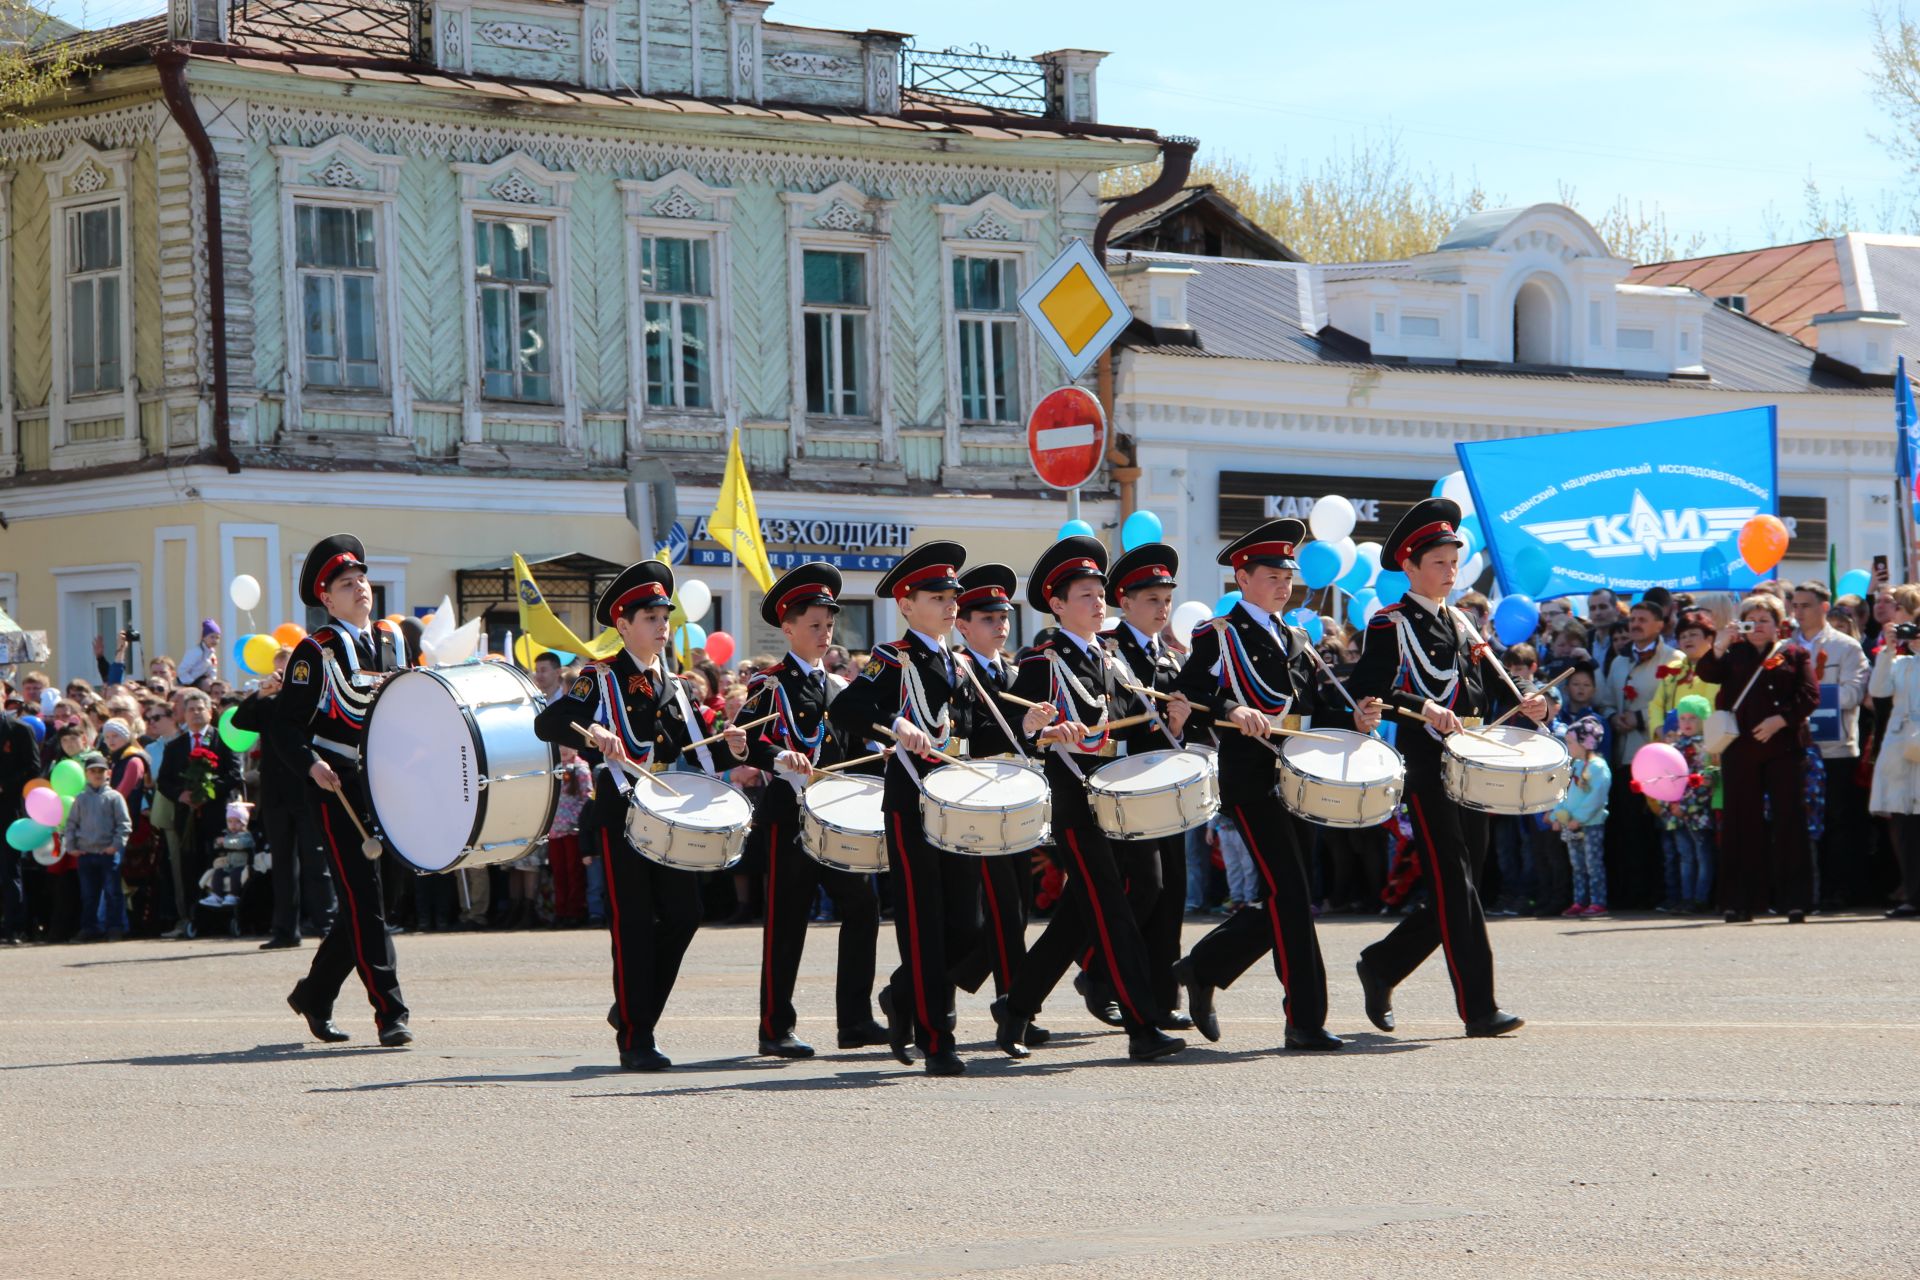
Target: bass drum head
[419, 758]
[987, 786]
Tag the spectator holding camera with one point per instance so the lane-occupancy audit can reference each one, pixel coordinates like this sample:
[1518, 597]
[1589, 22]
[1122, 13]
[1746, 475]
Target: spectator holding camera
[1896, 774]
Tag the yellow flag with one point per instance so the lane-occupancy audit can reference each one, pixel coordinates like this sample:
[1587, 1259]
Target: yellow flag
[540, 624]
[735, 524]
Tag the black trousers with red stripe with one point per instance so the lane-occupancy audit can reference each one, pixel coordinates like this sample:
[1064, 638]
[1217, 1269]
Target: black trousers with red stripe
[792, 883]
[652, 913]
[1093, 909]
[934, 918]
[358, 939]
[1002, 948]
[1282, 924]
[1451, 843]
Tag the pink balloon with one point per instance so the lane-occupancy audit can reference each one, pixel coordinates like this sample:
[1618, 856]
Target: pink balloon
[719, 648]
[43, 806]
[1661, 772]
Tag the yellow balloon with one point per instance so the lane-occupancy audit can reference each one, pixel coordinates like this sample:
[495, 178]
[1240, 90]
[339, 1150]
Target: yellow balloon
[526, 649]
[257, 657]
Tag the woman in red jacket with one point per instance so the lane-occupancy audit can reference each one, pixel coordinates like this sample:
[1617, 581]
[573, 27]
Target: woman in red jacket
[1765, 859]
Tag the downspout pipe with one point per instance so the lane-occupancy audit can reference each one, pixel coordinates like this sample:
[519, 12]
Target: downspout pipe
[1176, 161]
[171, 61]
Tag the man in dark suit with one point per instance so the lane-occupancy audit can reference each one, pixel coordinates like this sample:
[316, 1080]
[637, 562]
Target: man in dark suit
[19, 764]
[299, 870]
[200, 819]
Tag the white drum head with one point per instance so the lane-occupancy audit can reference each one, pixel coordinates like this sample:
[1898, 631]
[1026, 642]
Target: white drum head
[705, 803]
[847, 803]
[421, 770]
[985, 784]
[1353, 759]
[1526, 749]
[1150, 771]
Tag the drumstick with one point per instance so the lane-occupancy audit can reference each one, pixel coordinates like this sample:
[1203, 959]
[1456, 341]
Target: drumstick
[1514, 710]
[1291, 733]
[751, 724]
[941, 756]
[848, 764]
[1494, 742]
[370, 848]
[632, 769]
[1022, 702]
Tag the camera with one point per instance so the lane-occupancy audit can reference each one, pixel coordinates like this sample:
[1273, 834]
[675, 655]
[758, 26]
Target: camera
[1743, 628]
[130, 634]
[1906, 630]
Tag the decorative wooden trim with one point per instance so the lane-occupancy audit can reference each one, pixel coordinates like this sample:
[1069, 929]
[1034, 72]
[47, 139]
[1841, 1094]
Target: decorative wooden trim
[9, 428]
[821, 220]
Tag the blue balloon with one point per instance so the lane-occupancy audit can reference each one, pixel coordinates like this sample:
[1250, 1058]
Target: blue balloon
[1225, 604]
[1515, 619]
[690, 635]
[1438, 485]
[561, 656]
[1140, 528]
[239, 650]
[1714, 572]
[1532, 571]
[1391, 585]
[1361, 575]
[1319, 565]
[1854, 582]
[35, 726]
[1358, 604]
[1079, 528]
[1470, 525]
[1309, 621]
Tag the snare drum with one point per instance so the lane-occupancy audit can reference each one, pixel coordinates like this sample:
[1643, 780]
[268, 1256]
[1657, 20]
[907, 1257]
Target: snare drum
[986, 807]
[841, 824]
[457, 777]
[1354, 781]
[701, 828]
[1154, 794]
[1527, 775]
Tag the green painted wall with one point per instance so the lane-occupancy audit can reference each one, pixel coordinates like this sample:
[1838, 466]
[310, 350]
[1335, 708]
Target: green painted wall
[433, 335]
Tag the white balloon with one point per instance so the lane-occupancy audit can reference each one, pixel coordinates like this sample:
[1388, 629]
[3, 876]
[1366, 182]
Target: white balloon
[1369, 552]
[1189, 615]
[1332, 518]
[1467, 549]
[1469, 574]
[1454, 487]
[696, 597]
[461, 645]
[1366, 614]
[244, 591]
[1348, 554]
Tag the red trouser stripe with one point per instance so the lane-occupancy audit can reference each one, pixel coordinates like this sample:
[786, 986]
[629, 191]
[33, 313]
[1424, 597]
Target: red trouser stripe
[913, 945]
[766, 933]
[1273, 897]
[619, 960]
[1100, 926]
[1440, 904]
[997, 924]
[353, 911]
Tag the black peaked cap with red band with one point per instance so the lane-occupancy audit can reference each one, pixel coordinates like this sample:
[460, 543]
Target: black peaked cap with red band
[1274, 545]
[1070, 558]
[648, 583]
[1433, 522]
[1151, 564]
[800, 588]
[330, 557]
[987, 586]
[931, 566]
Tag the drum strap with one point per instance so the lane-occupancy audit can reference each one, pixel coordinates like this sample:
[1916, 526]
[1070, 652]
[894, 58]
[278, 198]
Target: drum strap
[1420, 676]
[1243, 679]
[965, 664]
[1125, 676]
[339, 699]
[613, 714]
[1069, 695]
[686, 713]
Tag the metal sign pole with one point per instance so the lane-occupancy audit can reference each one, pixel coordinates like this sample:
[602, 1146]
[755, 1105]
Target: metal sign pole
[1073, 503]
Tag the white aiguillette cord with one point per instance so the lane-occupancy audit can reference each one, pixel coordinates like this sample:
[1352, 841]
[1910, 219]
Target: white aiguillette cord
[966, 665]
[1128, 682]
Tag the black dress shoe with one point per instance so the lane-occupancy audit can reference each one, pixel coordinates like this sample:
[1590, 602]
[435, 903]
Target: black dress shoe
[1177, 1020]
[1145, 1046]
[1199, 999]
[786, 1046]
[396, 1034]
[1011, 1030]
[321, 1026]
[864, 1036]
[1037, 1035]
[279, 944]
[945, 1063]
[899, 1031]
[1497, 1023]
[1905, 911]
[1378, 997]
[1102, 1006]
[1318, 1039]
[1796, 917]
[646, 1058]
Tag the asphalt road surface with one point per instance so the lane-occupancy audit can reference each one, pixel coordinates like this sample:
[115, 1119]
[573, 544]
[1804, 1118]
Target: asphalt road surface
[1687, 1099]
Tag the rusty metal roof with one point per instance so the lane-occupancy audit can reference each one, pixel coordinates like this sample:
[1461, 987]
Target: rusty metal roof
[1785, 285]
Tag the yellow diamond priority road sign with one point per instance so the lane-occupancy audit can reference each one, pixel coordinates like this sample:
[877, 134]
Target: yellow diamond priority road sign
[1075, 308]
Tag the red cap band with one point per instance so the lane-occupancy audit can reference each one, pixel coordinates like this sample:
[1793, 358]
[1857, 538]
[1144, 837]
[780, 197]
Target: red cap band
[1143, 573]
[345, 560]
[1263, 550]
[645, 591]
[813, 591]
[932, 573]
[1425, 533]
[1061, 570]
[980, 594]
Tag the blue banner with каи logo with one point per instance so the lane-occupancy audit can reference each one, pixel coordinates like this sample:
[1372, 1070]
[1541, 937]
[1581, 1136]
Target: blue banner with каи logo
[1660, 504]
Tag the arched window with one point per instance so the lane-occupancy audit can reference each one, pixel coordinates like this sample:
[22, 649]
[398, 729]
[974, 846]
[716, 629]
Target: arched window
[1537, 324]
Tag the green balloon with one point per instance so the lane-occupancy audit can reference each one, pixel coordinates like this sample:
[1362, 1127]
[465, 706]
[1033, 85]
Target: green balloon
[26, 835]
[239, 739]
[68, 778]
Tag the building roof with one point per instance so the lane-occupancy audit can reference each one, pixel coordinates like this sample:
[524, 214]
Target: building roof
[1203, 199]
[1245, 310]
[1785, 285]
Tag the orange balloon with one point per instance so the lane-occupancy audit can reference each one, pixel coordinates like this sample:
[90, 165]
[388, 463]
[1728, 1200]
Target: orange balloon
[1763, 543]
[33, 783]
[396, 618]
[289, 634]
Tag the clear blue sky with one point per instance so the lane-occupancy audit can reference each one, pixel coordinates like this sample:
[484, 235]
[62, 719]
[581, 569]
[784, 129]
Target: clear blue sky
[1709, 109]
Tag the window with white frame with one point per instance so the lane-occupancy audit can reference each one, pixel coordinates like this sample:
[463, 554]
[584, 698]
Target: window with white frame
[339, 278]
[984, 293]
[514, 279]
[676, 304]
[96, 291]
[834, 314]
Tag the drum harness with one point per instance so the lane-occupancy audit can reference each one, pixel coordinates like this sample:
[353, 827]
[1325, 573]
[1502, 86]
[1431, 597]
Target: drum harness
[913, 705]
[342, 699]
[1128, 680]
[1075, 690]
[790, 727]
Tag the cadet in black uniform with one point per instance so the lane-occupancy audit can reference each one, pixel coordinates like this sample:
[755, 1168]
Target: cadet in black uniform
[1069, 673]
[912, 688]
[802, 604]
[634, 709]
[1250, 667]
[1420, 656]
[321, 714]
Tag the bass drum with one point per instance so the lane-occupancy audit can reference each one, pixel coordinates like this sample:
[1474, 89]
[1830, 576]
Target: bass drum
[456, 774]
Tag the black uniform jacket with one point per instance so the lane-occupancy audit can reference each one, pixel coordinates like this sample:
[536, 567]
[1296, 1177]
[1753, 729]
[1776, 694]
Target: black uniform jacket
[321, 697]
[1385, 673]
[878, 696]
[1281, 668]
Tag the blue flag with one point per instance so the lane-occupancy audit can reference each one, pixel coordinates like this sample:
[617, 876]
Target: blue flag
[1907, 423]
[1628, 508]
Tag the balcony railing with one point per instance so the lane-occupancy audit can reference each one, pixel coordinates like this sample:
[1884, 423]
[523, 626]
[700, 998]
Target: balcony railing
[976, 76]
[384, 28]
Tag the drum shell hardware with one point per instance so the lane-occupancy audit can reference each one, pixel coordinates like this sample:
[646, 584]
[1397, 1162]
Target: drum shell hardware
[1531, 776]
[1185, 793]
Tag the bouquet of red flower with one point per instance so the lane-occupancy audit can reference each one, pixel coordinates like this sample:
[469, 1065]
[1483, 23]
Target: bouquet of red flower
[202, 775]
